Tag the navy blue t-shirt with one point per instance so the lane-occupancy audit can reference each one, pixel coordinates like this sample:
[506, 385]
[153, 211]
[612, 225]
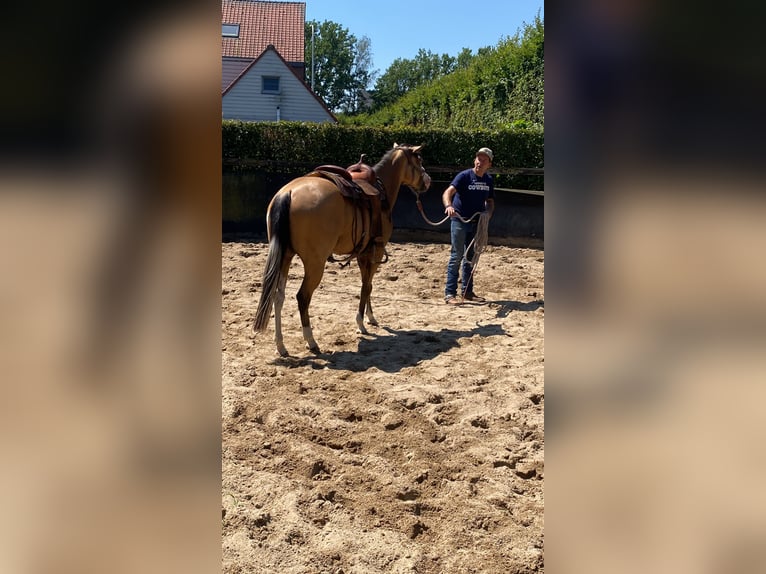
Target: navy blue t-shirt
[472, 192]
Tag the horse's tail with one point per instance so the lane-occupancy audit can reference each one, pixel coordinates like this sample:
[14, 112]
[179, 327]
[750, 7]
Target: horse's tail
[279, 234]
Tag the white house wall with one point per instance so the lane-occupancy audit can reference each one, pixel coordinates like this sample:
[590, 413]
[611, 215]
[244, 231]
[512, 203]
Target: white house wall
[244, 101]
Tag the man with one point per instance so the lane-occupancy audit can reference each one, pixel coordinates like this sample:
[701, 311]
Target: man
[471, 191]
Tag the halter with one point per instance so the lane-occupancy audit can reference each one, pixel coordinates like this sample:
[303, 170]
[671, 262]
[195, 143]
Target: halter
[408, 150]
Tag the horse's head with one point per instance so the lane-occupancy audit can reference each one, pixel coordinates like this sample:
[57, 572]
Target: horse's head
[414, 174]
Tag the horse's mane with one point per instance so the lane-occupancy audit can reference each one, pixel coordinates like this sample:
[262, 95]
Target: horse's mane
[388, 155]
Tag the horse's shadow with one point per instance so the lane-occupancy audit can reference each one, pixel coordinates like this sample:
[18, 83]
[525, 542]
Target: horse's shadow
[393, 350]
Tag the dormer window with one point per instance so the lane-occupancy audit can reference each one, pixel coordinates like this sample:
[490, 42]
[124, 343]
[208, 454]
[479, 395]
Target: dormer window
[230, 30]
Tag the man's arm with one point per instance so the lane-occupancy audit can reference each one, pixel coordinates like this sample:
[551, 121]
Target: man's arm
[447, 200]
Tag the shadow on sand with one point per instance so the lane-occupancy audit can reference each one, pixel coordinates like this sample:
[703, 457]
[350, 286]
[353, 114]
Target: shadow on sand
[396, 349]
[504, 308]
[391, 351]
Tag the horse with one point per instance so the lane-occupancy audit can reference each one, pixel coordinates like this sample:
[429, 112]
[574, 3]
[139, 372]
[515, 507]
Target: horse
[312, 218]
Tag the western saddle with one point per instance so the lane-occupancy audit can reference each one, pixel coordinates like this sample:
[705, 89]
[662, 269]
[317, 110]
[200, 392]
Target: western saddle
[359, 183]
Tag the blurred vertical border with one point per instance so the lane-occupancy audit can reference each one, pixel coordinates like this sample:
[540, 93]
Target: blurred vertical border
[110, 207]
[656, 310]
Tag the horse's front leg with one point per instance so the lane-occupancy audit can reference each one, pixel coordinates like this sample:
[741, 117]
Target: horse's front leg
[365, 309]
[370, 317]
[367, 268]
[364, 305]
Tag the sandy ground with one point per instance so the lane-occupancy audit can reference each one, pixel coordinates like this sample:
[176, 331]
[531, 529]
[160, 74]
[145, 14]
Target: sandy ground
[416, 448]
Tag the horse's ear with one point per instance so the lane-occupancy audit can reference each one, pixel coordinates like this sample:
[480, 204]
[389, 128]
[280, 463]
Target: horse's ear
[396, 145]
[417, 149]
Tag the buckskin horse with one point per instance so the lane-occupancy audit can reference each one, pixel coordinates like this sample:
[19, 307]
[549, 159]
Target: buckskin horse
[324, 213]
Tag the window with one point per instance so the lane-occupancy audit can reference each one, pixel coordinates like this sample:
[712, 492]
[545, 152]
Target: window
[270, 85]
[230, 30]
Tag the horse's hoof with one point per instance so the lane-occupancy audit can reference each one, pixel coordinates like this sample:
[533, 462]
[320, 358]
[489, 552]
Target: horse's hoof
[282, 352]
[373, 322]
[314, 349]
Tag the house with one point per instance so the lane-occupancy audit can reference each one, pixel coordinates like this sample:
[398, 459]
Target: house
[263, 68]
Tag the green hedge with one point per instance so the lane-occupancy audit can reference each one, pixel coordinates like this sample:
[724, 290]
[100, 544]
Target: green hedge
[275, 145]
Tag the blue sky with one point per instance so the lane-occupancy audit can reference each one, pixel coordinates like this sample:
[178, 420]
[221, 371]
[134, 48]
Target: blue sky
[399, 28]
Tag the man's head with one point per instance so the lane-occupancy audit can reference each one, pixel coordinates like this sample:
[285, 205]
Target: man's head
[482, 161]
[487, 152]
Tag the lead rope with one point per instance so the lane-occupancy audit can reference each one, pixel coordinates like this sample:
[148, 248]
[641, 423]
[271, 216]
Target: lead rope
[423, 213]
[479, 241]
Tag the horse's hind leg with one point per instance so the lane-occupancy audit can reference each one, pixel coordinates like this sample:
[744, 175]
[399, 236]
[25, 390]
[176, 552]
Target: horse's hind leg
[279, 301]
[311, 279]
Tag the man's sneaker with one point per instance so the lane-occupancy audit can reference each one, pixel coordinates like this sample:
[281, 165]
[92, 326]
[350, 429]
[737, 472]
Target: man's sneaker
[452, 300]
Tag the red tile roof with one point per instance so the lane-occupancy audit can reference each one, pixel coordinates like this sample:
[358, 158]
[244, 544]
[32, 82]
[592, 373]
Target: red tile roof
[264, 23]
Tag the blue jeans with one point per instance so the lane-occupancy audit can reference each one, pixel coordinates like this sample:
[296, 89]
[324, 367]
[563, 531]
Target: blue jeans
[461, 235]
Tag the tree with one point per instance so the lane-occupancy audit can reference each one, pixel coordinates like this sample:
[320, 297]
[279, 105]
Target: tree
[341, 65]
[405, 75]
[364, 76]
[464, 58]
[501, 87]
